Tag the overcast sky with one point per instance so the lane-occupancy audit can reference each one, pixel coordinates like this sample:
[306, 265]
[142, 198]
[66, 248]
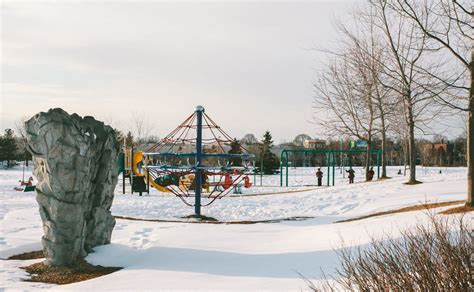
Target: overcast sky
[250, 64]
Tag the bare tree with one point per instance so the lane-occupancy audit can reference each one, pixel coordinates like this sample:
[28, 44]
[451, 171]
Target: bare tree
[399, 131]
[448, 24]
[364, 55]
[371, 55]
[141, 127]
[406, 51]
[21, 131]
[346, 90]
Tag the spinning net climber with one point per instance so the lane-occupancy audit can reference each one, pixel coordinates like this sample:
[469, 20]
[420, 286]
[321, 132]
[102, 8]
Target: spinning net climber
[196, 160]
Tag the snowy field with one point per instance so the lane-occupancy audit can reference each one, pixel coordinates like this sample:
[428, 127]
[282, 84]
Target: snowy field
[264, 256]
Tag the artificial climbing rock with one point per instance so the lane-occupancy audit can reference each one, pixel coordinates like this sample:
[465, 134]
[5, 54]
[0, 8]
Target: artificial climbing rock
[75, 163]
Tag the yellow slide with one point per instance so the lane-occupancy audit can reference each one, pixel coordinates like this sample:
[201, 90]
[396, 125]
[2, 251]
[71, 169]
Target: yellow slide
[158, 187]
[138, 158]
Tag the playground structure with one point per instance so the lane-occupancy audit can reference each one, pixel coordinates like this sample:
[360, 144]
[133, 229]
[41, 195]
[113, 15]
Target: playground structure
[191, 161]
[25, 185]
[330, 159]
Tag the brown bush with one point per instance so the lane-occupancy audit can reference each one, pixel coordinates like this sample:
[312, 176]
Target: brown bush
[432, 257]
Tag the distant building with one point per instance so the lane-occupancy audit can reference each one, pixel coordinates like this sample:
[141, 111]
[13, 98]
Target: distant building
[435, 154]
[314, 144]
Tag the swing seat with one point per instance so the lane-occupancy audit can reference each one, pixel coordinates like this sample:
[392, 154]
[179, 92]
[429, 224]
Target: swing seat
[238, 189]
[29, 189]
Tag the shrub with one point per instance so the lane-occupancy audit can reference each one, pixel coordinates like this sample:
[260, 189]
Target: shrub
[432, 257]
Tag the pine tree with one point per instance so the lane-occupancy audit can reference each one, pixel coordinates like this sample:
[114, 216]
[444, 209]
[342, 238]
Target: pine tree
[268, 159]
[235, 148]
[8, 147]
[129, 139]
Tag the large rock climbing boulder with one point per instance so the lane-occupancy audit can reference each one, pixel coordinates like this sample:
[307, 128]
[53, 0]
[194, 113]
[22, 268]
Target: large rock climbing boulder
[75, 163]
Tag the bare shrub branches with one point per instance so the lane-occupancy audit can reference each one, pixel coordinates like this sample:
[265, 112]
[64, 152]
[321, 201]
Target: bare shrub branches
[433, 257]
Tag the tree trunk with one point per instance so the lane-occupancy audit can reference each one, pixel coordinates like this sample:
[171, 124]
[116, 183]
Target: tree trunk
[411, 147]
[368, 157]
[384, 137]
[470, 135]
[405, 155]
[470, 155]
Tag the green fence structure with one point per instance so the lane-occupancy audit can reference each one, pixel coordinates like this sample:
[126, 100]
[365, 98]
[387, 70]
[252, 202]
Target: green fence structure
[331, 161]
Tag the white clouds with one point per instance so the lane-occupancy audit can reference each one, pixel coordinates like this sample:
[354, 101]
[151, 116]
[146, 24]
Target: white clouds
[246, 62]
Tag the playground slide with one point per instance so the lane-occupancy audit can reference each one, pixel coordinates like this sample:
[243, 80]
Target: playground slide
[158, 187]
[137, 158]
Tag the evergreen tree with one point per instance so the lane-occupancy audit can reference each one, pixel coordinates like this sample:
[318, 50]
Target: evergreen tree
[129, 139]
[235, 148]
[268, 159]
[8, 147]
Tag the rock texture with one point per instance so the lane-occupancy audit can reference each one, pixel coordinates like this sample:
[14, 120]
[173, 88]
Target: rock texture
[75, 163]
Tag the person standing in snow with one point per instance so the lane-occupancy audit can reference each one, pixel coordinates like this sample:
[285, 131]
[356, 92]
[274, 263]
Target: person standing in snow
[319, 175]
[351, 175]
[370, 174]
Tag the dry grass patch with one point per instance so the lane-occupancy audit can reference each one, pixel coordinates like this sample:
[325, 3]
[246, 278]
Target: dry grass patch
[458, 210]
[81, 271]
[406, 209]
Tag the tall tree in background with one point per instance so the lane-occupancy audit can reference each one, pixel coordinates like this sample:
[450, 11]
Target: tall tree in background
[23, 152]
[346, 90]
[129, 139]
[8, 147]
[367, 56]
[141, 128]
[267, 160]
[406, 52]
[235, 148]
[448, 24]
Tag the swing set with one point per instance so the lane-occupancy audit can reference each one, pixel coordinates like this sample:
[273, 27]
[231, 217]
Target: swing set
[25, 185]
[330, 157]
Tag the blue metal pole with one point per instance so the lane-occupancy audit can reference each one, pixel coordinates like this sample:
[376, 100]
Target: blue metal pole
[198, 179]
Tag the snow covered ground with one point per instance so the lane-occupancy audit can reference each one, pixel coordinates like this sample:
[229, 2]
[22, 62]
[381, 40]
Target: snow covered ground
[263, 256]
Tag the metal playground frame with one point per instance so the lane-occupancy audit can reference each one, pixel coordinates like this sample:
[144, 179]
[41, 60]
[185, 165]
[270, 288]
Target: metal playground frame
[330, 157]
[180, 163]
